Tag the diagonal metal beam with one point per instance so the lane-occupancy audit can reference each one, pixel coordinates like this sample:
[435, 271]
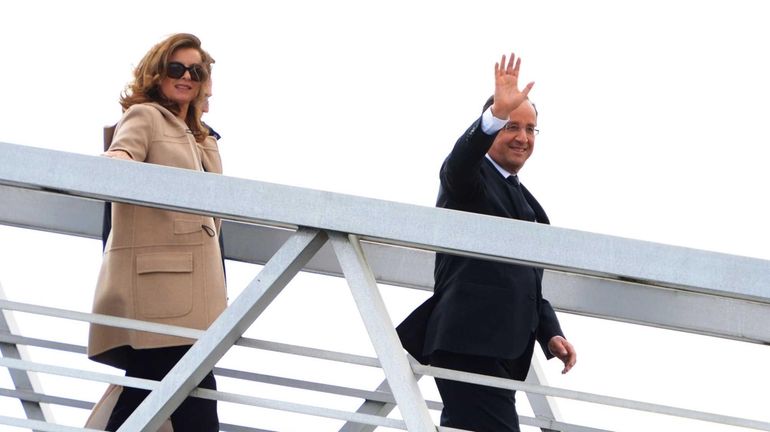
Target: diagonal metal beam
[543, 407]
[22, 380]
[223, 333]
[383, 336]
[371, 407]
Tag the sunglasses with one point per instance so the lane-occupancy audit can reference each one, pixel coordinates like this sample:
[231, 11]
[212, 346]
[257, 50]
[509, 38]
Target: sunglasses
[176, 70]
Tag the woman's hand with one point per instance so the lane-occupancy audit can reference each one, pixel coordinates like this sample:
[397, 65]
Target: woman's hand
[117, 154]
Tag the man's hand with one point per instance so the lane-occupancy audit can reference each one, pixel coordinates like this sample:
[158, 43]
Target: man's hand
[564, 350]
[508, 97]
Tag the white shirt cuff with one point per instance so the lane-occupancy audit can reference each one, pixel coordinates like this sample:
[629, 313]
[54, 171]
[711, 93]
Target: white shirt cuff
[491, 124]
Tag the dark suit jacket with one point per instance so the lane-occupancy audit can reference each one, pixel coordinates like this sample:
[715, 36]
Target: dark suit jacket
[480, 307]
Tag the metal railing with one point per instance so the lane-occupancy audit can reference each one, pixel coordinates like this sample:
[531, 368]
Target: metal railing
[366, 241]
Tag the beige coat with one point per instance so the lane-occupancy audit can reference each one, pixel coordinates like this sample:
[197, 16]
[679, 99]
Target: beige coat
[159, 265]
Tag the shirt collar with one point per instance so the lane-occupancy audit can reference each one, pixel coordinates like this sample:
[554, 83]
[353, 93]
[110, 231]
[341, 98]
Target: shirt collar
[500, 169]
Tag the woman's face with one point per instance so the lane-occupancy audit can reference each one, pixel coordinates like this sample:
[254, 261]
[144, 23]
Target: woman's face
[182, 90]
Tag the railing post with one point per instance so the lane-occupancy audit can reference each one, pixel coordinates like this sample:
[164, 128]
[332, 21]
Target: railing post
[542, 406]
[370, 407]
[380, 328]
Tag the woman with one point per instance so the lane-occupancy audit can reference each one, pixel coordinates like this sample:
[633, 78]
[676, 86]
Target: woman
[159, 265]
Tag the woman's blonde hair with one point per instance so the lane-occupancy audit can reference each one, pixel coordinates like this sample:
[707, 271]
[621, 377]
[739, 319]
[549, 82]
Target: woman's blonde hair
[151, 71]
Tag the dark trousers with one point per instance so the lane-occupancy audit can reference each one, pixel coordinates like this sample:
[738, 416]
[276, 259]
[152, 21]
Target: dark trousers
[475, 407]
[194, 414]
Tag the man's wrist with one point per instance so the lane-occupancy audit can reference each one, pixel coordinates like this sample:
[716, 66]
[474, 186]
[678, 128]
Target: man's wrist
[491, 124]
[495, 110]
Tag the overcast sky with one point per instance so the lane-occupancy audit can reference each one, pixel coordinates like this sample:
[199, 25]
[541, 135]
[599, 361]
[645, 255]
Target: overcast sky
[653, 119]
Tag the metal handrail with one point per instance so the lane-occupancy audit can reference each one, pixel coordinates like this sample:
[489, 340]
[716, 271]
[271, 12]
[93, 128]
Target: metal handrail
[662, 268]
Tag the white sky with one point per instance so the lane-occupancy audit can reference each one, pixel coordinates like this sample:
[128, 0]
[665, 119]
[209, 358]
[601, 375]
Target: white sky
[653, 126]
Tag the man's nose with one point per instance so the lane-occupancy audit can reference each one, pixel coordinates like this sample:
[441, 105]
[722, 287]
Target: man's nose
[521, 136]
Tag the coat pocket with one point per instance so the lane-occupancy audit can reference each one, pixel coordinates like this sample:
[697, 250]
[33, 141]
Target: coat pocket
[164, 284]
[188, 231]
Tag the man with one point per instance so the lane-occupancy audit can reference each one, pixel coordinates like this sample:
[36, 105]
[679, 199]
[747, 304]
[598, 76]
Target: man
[484, 316]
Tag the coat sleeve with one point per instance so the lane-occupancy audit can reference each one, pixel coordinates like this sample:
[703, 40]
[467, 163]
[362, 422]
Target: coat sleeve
[134, 132]
[548, 327]
[460, 174]
[209, 150]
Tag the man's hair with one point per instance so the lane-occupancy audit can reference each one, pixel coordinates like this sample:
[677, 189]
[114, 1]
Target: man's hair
[491, 100]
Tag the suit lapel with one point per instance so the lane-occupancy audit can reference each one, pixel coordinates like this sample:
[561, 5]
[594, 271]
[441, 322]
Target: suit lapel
[501, 190]
[539, 212]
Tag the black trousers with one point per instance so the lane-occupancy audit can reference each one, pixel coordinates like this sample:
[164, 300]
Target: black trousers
[194, 414]
[476, 407]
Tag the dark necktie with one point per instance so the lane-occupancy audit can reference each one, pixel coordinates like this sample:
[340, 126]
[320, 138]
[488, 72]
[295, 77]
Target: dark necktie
[525, 210]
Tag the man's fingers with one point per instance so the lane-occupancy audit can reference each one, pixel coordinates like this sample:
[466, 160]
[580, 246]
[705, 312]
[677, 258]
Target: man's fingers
[570, 357]
[564, 350]
[567, 364]
[527, 88]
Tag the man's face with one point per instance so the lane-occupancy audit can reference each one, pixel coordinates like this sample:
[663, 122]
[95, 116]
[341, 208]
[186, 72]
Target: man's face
[207, 93]
[515, 142]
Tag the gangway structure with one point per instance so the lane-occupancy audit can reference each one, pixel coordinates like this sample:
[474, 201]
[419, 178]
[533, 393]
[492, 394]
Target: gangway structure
[368, 242]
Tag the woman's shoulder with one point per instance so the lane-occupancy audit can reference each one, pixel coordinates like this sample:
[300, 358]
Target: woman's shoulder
[146, 109]
[154, 113]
